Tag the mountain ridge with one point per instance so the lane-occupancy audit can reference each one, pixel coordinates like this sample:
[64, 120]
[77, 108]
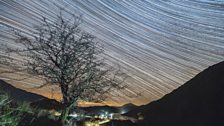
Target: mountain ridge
[198, 102]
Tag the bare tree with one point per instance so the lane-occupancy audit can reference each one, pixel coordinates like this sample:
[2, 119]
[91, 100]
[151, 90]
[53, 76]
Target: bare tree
[64, 55]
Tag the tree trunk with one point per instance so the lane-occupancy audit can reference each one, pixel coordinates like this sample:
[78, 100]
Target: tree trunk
[64, 116]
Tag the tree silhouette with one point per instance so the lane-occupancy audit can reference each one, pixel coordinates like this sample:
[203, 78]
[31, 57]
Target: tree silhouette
[64, 55]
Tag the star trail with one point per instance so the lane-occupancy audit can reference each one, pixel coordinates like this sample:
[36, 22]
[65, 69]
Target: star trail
[160, 44]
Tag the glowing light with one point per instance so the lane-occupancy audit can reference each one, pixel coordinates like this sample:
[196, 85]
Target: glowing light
[91, 124]
[111, 116]
[123, 111]
[74, 115]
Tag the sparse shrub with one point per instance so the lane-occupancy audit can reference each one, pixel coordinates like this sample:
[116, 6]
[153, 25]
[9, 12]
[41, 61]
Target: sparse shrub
[11, 113]
[41, 113]
[15, 113]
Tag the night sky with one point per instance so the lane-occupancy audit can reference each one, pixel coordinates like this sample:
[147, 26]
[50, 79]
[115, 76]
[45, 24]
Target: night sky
[160, 44]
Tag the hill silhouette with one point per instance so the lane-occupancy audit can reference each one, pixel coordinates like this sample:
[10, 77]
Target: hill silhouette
[17, 94]
[199, 102]
[37, 101]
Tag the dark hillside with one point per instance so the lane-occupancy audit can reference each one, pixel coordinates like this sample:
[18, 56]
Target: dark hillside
[18, 94]
[37, 101]
[199, 102]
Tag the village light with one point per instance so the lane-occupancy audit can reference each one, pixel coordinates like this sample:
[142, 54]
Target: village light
[73, 115]
[91, 124]
[111, 116]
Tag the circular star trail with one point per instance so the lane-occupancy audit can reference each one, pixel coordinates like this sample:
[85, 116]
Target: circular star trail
[161, 44]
